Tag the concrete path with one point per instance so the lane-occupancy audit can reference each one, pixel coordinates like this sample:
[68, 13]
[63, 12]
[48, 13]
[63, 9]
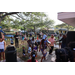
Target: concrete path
[50, 58]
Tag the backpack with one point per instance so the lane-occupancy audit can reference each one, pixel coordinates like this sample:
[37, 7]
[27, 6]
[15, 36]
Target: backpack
[64, 55]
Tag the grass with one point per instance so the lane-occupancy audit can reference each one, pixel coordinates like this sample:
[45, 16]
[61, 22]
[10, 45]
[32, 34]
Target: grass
[19, 50]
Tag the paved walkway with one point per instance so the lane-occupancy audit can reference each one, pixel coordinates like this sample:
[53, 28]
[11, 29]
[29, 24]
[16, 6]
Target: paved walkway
[50, 58]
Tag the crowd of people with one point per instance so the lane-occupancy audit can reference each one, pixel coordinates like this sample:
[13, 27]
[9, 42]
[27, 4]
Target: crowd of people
[40, 43]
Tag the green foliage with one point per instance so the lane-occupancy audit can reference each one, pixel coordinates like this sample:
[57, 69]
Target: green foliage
[26, 20]
[63, 25]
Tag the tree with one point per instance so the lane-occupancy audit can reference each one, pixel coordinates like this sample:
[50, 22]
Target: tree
[64, 25]
[4, 14]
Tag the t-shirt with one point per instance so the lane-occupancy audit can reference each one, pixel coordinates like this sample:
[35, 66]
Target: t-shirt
[35, 48]
[52, 41]
[29, 50]
[31, 60]
[16, 38]
[11, 40]
[23, 51]
[44, 36]
[60, 37]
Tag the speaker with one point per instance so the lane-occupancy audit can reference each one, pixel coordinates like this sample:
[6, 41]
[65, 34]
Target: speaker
[70, 37]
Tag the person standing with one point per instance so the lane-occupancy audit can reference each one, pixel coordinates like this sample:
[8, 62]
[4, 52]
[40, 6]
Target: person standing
[43, 47]
[22, 42]
[60, 42]
[2, 46]
[11, 40]
[16, 40]
[29, 51]
[63, 41]
[33, 42]
[51, 39]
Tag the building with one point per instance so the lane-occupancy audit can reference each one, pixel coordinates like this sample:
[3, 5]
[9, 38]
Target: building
[62, 31]
[67, 17]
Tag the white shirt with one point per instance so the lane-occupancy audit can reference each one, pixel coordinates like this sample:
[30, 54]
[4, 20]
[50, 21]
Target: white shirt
[2, 45]
[60, 37]
[29, 49]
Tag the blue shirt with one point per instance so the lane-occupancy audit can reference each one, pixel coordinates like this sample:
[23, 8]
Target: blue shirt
[44, 36]
[11, 40]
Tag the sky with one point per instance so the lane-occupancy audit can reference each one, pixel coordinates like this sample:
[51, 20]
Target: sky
[54, 16]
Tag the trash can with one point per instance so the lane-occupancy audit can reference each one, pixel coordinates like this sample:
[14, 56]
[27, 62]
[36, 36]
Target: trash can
[11, 54]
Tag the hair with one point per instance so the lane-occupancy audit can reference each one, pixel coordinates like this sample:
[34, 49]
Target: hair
[33, 54]
[0, 35]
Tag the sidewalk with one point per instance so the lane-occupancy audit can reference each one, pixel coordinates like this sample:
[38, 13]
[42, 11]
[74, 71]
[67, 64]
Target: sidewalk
[50, 58]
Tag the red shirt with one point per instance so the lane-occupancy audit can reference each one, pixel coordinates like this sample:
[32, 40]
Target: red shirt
[31, 60]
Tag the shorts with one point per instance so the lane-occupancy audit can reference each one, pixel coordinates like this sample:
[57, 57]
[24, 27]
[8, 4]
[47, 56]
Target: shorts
[1, 50]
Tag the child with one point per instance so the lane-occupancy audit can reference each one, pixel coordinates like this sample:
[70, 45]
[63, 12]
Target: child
[22, 42]
[33, 55]
[35, 48]
[2, 46]
[23, 51]
[11, 40]
[29, 51]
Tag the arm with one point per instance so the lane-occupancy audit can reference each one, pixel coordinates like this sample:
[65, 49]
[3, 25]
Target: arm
[61, 39]
[4, 45]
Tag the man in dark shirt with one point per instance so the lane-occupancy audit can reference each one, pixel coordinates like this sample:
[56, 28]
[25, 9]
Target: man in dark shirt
[16, 40]
[63, 41]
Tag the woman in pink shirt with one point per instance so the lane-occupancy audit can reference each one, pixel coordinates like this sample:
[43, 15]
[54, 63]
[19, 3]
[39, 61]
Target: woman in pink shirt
[51, 39]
